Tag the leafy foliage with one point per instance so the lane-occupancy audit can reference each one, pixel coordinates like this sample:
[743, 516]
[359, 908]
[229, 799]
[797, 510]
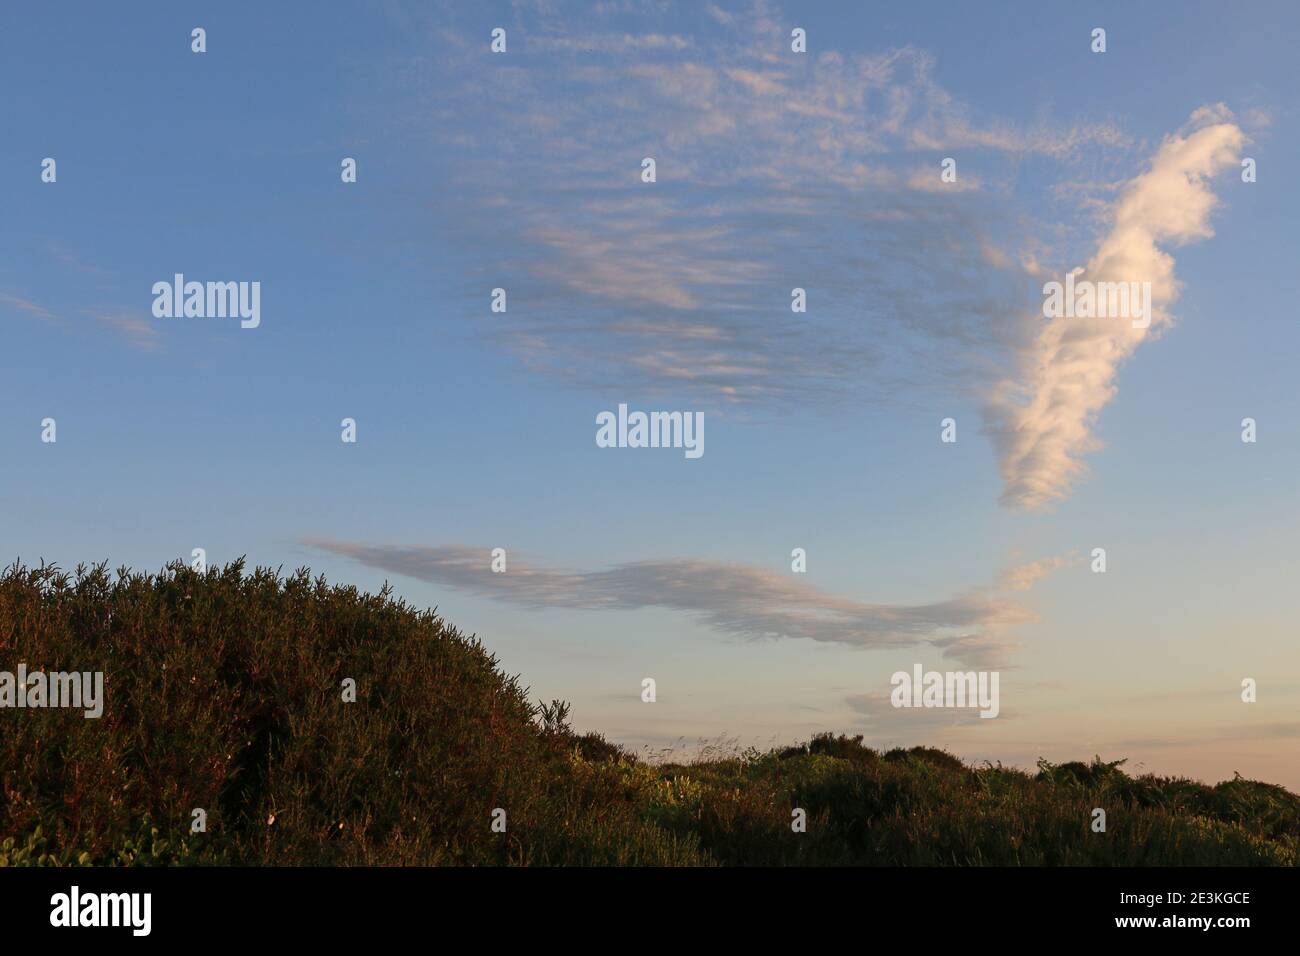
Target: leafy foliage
[223, 692]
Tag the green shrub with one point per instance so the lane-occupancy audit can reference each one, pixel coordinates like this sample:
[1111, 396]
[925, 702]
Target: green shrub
[224, 692]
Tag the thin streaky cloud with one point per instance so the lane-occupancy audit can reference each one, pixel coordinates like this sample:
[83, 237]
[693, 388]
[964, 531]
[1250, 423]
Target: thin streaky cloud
[735, 599]
[1275, 730]
[139, 332]
[877, 716]
[28, 307]
[774, 172]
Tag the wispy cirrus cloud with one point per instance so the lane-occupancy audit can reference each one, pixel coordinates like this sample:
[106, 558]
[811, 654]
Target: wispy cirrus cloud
[1275, 730]
[880, 719]
[817, 171]
[132, 326]
[27, 307]
[739, 600]
[775, 170]
[137, 331]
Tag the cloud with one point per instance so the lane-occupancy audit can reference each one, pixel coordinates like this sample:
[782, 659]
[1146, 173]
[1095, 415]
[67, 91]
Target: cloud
[817, 171]
[607, 43]
[677, 292]
[775, 171]
[739, 600]
[135, 330]
[1280, 730]
[139, 332]
[1022, 577]
[880, 719]
[27, 306]
[67, 257]
[1042, 421]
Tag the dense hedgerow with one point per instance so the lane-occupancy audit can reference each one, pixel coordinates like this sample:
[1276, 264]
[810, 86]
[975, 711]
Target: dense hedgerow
[223, 692]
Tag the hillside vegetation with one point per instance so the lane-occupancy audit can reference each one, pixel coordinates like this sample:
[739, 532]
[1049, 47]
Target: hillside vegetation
[223, 692]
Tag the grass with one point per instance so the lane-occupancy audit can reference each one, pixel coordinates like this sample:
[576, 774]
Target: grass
[223, 692]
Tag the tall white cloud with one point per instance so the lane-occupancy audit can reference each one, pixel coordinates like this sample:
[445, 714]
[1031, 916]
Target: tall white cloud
[1043, 423]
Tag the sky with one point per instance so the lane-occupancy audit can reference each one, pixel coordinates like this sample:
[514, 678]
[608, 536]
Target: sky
[821, 170]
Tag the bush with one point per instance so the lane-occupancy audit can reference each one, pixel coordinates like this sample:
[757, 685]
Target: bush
[224, 692]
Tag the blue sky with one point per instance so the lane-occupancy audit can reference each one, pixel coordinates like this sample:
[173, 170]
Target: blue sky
[774, 170]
